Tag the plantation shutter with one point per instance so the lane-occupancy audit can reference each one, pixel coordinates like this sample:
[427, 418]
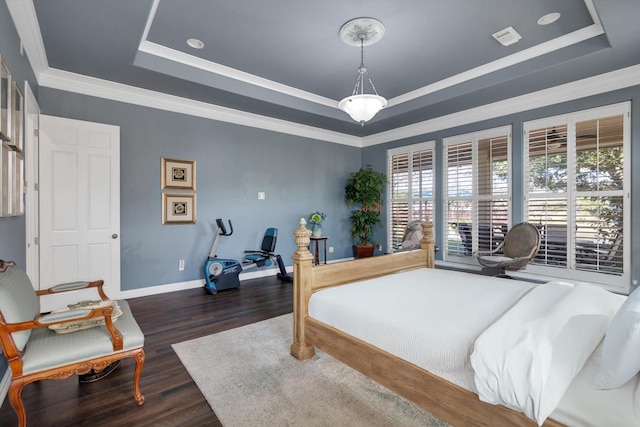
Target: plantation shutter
[411, 189]
[459, 198]
[493, 191]
[547, 187]
[599, 195]
[576, 194]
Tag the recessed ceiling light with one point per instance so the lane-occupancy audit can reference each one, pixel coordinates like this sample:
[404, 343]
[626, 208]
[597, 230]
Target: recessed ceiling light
[195, 43]
[549, 18]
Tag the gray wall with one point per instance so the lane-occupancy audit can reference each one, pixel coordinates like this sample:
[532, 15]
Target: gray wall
[233, 163]
[12, 230]
[377, 155]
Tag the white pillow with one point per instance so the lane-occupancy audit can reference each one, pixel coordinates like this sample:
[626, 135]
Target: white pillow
[528, 358]
[621, 347]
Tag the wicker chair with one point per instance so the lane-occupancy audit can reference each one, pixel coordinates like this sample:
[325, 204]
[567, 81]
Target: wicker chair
[35, 351]
[520, 245]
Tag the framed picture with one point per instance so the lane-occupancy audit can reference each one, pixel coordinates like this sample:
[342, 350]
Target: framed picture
[178, 174]
[17, 133]
[18, 194]
[178, 208]
[5, 102]
[8, 180]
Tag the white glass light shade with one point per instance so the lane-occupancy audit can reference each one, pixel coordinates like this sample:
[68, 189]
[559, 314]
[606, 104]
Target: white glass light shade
[362, 107]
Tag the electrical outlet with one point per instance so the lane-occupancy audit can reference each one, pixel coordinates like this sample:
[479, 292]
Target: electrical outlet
[330, 249]
[261, 195]
[379, 247]
[181, 265]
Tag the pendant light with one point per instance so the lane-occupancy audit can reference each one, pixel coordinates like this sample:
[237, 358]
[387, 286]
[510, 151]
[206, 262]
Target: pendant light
[360, 106]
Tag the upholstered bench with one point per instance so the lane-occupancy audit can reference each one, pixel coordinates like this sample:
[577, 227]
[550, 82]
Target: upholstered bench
[35, 351]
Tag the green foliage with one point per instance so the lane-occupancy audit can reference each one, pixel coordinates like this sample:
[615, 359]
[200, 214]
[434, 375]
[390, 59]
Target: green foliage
[596, 170]
[364, 188]
[362, 223]
[602, 170]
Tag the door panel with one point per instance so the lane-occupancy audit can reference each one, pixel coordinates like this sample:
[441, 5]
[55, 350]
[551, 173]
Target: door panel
[79, 206]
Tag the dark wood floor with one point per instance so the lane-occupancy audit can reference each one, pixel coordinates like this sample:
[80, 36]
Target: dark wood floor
[171, 397]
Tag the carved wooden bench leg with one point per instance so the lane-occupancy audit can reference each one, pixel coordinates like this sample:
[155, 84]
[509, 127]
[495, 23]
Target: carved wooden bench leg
[15, 398]
[139, 358]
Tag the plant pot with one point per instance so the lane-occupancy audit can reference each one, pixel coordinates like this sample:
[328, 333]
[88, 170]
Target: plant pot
[363, 251]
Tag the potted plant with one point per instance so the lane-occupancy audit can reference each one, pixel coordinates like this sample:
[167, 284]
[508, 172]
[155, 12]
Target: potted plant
[316, 219]
[364, 189]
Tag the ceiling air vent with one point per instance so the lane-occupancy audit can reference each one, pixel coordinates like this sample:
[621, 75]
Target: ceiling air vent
[507, 36]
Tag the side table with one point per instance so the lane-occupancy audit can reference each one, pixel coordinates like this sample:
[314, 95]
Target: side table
[317, 240]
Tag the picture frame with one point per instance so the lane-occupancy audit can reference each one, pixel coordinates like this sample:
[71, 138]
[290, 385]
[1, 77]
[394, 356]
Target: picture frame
[178, 208]
[17, 117]
[5, 102]
[178, 174]
[18, 194]
[7, 164]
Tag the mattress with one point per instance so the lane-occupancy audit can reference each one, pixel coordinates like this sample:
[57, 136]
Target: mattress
[432, 328]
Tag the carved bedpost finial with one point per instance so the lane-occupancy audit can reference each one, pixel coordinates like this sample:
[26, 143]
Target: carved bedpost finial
[427, 230]
[302, 237]
[427, 243]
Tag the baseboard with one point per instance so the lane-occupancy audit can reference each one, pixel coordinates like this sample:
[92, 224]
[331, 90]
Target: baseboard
[181, 286]
[4, 385]
[160, 289]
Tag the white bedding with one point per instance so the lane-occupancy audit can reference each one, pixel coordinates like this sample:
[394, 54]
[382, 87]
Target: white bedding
[528, 358]
[432, 329]
[584, 406]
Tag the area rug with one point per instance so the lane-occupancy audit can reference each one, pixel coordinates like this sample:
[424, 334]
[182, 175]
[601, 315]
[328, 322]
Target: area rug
[249, 379]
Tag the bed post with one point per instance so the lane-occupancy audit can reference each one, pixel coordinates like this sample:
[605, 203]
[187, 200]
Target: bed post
[427, 243]
[300, 349]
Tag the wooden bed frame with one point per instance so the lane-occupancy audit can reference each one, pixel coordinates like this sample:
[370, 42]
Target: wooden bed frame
[449, 402]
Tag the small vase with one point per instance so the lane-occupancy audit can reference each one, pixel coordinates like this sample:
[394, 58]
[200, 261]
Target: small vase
[316, 231]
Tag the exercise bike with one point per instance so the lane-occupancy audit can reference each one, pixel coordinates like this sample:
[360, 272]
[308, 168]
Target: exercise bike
[221, 274]
[266, 256]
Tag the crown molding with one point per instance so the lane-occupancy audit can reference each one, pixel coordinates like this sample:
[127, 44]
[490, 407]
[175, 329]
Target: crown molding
[24, 17]
[91, 86]
[490, 67]
[614, 80]
[222, 70]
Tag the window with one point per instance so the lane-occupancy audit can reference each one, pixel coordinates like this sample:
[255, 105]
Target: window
[477, 192]
[410, 193]
[576, 194]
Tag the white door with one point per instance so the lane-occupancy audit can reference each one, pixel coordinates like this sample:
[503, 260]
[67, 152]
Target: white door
[79, 207]
[32, 126]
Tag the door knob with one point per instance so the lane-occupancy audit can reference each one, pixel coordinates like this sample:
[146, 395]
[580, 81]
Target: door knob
[114, 236]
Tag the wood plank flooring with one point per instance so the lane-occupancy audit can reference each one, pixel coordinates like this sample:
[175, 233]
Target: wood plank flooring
[171, 397]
